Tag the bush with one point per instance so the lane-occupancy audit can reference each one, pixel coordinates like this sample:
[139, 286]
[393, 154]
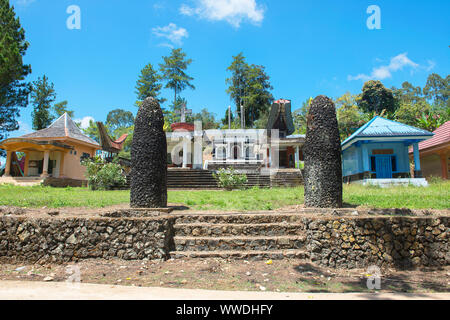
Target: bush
[103, 176]
[229, 179]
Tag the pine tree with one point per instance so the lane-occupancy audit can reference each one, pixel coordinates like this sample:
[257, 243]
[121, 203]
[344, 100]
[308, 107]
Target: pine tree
[61, 108]
[148, 85]
[42, 96]
[13, 89]
[173, 72]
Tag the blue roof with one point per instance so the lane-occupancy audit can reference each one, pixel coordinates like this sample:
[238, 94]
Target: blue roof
[380, 127]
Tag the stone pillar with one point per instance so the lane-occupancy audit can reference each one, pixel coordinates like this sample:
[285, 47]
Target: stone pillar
[8, 164]
[417, 169]
[322, 150]
[27, 163]
[297, 157]
[45, 165]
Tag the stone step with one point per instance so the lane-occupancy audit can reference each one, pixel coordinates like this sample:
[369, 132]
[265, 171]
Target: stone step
[259, 243]
[235, 229]
[240, 218]
[247, 254]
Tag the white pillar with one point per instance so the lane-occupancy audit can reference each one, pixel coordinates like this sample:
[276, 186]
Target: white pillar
[8, 164]
[185, 153]
[297, 158]
[198, 146]
[45, 165]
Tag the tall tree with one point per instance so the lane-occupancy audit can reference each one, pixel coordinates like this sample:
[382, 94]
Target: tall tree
[249, 86]
[299, 116]
[148, 85]
[375, 98]
[237, 83]
[42, 96]
[258, 98]
[118, 119]
[437, 89]
[349, 117]
[173, 71]
[13, 89]
[61, 108]
[408, 93]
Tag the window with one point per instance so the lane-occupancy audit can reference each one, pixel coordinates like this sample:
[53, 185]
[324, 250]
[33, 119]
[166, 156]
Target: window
[373, 164]
[394, 163]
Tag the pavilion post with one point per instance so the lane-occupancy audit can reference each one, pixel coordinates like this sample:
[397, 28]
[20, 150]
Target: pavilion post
[27, 163]
[297, 158]
[8, 164]
[45, 165]
[417, 169]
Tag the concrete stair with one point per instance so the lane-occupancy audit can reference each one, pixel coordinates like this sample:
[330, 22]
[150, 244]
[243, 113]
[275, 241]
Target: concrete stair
[287, 178]
[239, 236]
[22, 181]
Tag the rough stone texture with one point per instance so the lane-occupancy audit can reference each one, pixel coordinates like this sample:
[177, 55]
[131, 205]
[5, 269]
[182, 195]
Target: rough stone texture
[149, 158]
[402, 242]
[71, 239]
[322, 152]
[340, 242]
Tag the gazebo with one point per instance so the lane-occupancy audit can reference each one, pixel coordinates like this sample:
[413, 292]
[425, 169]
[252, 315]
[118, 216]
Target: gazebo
[54, 152]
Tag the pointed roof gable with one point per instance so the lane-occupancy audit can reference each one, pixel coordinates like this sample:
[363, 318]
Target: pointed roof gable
[379, 127]
[64, 126]
[280, 117]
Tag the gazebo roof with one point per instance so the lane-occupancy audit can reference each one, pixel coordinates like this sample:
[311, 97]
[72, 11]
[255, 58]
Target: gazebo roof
[64, 126]
[379, 127]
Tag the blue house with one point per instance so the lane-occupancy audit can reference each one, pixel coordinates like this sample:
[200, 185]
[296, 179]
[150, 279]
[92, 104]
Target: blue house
[377, 153]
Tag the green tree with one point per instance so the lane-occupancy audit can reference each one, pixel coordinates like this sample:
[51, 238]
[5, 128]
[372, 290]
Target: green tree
[349, 116]
[207, 118]
[13, 89]
[257, 99]
[92, 131]
[225, 119]
[173, 71]
[237, 83]
[42, 96]
[148, 85]
[375, 98]
[61, 108]
[299, 116]
[249, 85]
[409, 112]
[437, 90]
[408, 93]
[117, 119]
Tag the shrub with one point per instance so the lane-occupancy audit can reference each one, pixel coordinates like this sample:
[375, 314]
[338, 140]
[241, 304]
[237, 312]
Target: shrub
[103, 176]
[229, 179]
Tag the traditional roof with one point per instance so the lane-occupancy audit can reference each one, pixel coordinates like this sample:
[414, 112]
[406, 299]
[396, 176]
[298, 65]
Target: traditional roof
[280, 117]
[64, 126]
[441, 137]
[107, 143]
[379, 127]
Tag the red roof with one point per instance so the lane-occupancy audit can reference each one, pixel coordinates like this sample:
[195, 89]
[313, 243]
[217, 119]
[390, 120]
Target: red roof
[282, 101]
[441, 136]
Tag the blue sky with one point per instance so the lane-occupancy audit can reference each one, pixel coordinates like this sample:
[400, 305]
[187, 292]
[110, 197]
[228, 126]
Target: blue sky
[308, 47]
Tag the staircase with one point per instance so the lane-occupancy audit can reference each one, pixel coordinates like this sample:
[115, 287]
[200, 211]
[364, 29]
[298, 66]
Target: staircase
[286, 178]
[22, 181]
[190, 179]
[239, 236]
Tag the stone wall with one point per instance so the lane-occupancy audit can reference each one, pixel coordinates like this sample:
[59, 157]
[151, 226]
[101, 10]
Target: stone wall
[383, 241]
[72, 239]
[340, 242]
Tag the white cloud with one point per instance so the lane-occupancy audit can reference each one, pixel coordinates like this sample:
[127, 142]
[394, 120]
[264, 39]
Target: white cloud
[171, 32]
[84, 122]
[383, 72]
[231, 11]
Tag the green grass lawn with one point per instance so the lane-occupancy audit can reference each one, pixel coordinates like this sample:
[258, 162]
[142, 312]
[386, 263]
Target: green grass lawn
[436, 196]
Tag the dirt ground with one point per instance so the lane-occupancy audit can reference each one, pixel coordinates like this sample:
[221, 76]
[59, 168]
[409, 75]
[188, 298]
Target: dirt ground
[179, 209]
[220, 274]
